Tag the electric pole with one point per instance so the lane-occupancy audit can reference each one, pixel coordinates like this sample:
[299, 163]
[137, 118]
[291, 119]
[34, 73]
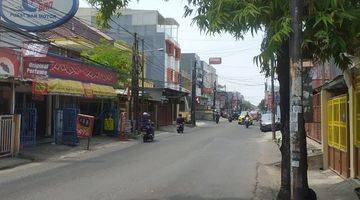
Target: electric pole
[142, 73]
[193, 95]
[273, 102]
[135, 84]
[214, 100]
[298, 152]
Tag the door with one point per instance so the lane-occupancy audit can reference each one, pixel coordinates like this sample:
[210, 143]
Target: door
[65, 126]
[28, 126]
[338, 135]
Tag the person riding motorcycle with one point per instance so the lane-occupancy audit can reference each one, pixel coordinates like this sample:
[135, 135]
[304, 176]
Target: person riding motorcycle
[247, 120]
[217, 117]
[180, 121]
[147, 127]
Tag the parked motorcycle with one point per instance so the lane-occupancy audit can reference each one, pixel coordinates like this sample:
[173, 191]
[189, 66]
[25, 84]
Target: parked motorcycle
[149, 132]
[180, 128]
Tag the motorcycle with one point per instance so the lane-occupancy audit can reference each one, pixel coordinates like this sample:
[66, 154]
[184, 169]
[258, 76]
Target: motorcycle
[180, 128]
[247, 122]
[149, 132]
[230, 119]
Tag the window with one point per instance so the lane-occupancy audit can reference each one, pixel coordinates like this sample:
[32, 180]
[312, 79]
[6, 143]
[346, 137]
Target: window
[337, 123]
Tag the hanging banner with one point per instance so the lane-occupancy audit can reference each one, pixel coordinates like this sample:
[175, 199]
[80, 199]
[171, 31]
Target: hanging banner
[36, 70]
[35, 49]
[40, 88]
[84, 126]
[88, 92]
[37, 15]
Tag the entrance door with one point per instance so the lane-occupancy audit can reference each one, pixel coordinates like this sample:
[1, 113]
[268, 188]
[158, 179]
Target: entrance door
[28, 126]
[65, 126]
[338, 136]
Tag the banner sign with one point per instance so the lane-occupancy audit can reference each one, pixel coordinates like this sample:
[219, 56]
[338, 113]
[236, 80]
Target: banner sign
[65, 68]
[9, 63]
[36, 70]
[88, 92]
[84, 126]
[40, 88]
[35, 49]
[37, 15]
[215, 61]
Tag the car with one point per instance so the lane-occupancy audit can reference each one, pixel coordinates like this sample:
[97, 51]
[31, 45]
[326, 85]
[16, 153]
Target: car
[266, 122]
[242, 117]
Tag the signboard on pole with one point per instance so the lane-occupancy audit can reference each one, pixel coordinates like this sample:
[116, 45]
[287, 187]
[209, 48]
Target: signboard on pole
[35, 49]
[84, 126]
[37, 15]
[215, 61]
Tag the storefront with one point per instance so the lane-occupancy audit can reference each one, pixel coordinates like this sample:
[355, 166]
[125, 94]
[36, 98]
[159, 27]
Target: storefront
[56, 91]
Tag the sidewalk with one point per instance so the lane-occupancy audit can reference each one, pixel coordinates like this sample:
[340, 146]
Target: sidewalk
[51, 152]
[327, 184]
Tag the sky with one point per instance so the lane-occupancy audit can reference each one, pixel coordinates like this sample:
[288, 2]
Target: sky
[237, 71]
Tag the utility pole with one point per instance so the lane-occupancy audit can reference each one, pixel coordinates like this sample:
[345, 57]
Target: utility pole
[214, 100]
[273, 102]
[142, 73]
[135, 84]
[193, 95]
[298, 154]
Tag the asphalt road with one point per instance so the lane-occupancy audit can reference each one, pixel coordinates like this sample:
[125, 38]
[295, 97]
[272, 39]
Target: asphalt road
[218, 162]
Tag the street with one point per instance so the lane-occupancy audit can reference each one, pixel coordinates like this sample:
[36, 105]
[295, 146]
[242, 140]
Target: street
[218, 162]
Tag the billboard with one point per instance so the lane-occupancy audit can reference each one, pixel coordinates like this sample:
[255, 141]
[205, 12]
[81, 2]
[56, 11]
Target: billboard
[37, 15]
[215, 61]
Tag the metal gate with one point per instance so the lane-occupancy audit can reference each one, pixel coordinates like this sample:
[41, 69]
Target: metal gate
[338, 135]
[65, 126]
[6, 135]
[28, 126]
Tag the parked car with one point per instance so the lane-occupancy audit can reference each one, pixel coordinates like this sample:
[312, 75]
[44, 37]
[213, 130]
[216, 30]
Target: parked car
[241, 118]
[266, 121]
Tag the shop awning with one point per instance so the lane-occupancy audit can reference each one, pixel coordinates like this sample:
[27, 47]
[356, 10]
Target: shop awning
[77, 88]
[65, 87]
[103, 91]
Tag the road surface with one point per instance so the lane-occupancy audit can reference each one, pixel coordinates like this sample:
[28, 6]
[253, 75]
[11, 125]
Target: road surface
[218, 162]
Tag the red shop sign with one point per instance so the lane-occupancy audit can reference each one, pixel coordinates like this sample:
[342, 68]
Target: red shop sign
[9, 63]
[66, 68]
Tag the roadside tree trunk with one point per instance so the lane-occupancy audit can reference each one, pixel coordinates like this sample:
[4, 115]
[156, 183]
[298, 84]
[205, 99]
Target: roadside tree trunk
[284, 82]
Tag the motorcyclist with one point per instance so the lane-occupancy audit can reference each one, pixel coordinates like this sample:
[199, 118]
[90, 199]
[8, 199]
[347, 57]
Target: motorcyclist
[217, 117]
[180, 121]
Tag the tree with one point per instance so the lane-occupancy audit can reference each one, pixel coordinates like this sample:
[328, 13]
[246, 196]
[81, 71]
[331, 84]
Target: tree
[331, 30]
[118, 59]
[262, 106]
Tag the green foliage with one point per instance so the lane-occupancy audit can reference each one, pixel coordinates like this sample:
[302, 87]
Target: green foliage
[246, 105]
[262, 107]
[107, 8]
[331, 27]
[109, 55]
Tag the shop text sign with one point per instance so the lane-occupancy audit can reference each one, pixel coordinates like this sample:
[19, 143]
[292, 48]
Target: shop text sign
[37, 15]
[36, 70]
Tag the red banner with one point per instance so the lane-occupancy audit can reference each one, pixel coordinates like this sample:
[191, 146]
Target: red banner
[39, 88]
[66, 68]
[9, 63]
